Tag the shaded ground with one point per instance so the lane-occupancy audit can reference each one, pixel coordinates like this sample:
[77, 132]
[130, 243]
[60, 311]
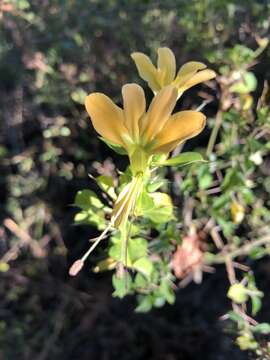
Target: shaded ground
[61, 318]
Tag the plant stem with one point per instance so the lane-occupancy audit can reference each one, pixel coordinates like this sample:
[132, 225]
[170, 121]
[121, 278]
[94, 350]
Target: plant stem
[214, 133]
[242, 251]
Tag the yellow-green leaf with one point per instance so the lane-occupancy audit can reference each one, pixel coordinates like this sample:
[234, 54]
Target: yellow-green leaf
[182, 159]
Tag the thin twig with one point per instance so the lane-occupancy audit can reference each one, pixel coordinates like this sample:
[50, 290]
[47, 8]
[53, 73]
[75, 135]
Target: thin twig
[214, 133]
[242, 251]
[24, 240]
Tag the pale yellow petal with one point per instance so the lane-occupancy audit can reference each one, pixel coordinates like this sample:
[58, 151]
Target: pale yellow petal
[180, 127]
[134, 107]
[166, 148]
[107, 118]
[186, 72]
[197, 78]
[190, 68]
[166, 65]
[146, 69]
[159, 112]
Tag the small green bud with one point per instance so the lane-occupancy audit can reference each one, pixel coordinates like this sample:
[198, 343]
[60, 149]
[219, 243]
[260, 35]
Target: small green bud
[246, 342]
[238, 293]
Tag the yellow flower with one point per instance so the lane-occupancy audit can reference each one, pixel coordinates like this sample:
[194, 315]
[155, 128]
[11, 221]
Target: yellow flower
[237, 212]
[143, 133]
[190, 74]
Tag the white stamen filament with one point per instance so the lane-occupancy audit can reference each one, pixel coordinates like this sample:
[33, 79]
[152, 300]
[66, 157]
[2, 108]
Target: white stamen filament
[112, 222]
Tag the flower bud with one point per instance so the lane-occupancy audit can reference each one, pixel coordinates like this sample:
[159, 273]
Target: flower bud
[237, 293]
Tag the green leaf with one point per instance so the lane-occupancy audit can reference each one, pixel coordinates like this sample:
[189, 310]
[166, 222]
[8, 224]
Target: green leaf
[187, 185]
[226, 226]
[107, 185]
[144, 265]
[125, 178]
[257, 253]
[155, 185]
[221, 201]
[122, 285]
[233, 180]
[182, 159]
[248, 196]
[158, 159]
[87, 199]
[205, 178]
[81, 216]
[145, 303]
[115, 147]
[159, 301]
[115, 252]
[95, 218]
[93, 209]
[145, 203]
[157, 207]
[256, 304]
[236, 317]
[137, 248]
[140, 281]
[263, 328]
[246, 84]
[167, 291]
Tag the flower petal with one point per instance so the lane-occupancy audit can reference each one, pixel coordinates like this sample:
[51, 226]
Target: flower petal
[134, 107]
[146, 69]
[197, 78]
[180, 127]
[190, 68]
[166, 148]
[186, 72]
[107, 118]
[166, 65]
[159, 112]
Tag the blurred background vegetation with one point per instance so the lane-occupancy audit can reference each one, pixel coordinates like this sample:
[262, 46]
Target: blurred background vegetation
[54, 52]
